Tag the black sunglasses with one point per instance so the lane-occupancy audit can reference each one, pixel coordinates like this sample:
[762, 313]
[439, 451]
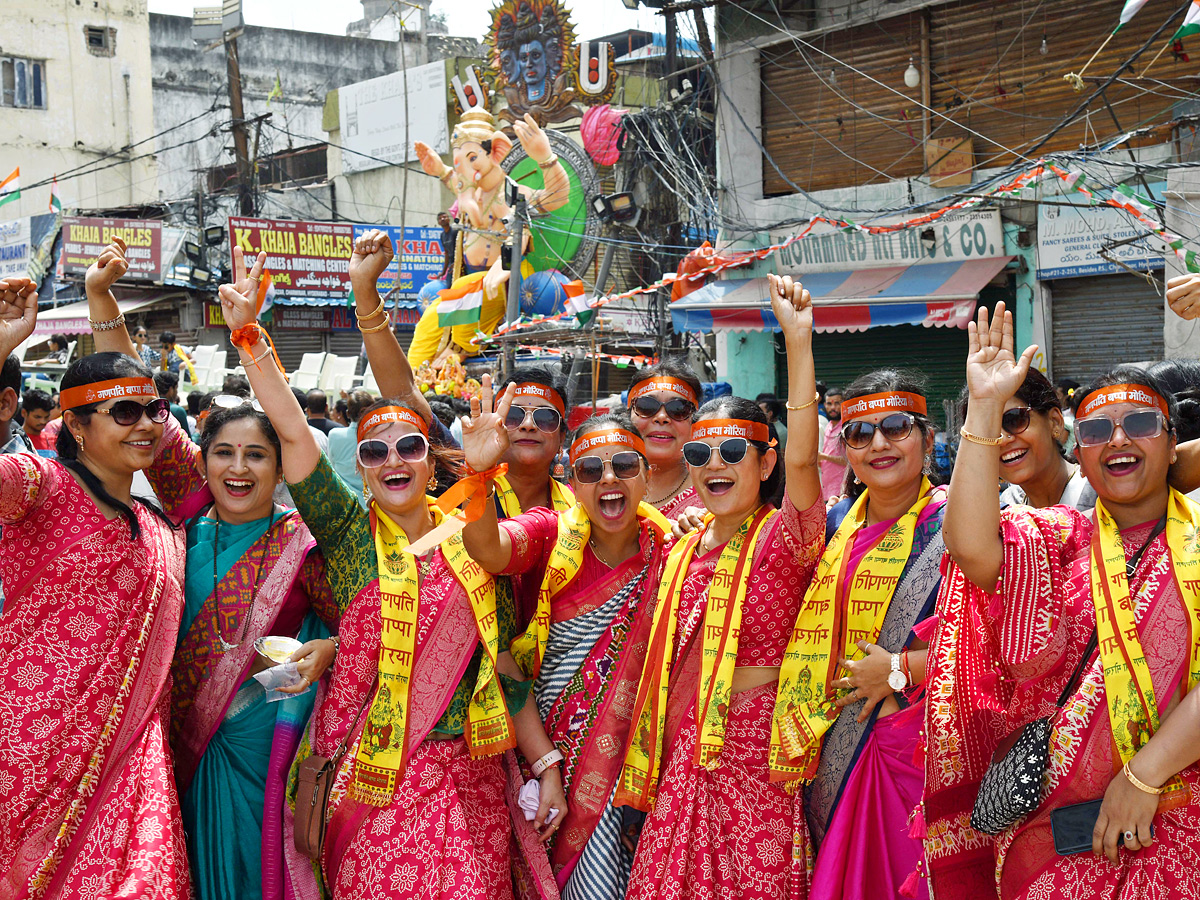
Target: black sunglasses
[896, 427]
[130, 412]
[411, 448]
[732, 450]
[678, 409]
[545, 418]
[1096, 430]
[625, 464]
[1016, 420]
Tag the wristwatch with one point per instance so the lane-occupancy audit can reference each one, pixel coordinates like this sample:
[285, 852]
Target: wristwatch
[896, 679]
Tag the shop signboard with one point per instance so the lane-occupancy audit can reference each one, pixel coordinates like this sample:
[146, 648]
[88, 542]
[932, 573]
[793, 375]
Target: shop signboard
[85, 239]
[418, 257]
[305, 259]
[379, 126]
[301, 318]
[956, 237]
[1070, 239]
[14, 247]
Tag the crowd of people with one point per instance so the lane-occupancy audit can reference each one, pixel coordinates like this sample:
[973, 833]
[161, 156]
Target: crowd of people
[750, 649]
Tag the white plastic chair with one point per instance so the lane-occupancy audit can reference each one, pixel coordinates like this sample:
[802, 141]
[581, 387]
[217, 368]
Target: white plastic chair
[202, 357]
[339, 375]
[308, 374]
[215, 374]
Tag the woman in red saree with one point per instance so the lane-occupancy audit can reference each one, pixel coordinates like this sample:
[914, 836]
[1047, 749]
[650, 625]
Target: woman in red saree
[93, 581]
[662, 400]
[1025, 594]
[697, 757]
[598, 566]
[417, 714]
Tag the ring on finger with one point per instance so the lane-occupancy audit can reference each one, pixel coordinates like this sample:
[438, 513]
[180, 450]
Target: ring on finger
[1129, 837]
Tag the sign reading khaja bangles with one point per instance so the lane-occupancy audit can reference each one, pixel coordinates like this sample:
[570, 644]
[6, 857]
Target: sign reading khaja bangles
[85, 239]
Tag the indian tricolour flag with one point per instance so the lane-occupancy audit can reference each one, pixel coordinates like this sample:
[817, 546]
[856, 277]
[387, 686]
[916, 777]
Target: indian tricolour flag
[55, 199]
[1191, 22]
[577, 301]
[1130, 201]
[1132, 7]
[10, 187]
[266, 296]
[461, 305]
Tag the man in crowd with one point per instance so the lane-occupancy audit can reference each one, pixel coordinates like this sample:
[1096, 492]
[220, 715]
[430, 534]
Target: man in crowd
[343, 444]
[12, 440]
[37, 407]
[833, 458]
[317, 407]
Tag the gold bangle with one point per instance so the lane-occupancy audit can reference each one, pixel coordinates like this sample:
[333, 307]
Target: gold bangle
[376, 311]
[1139, 784]
[982, 441]
[372, 329]
[550, 162]
[791, 408]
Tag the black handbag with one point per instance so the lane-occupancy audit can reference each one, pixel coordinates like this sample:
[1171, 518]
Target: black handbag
[1012, 786]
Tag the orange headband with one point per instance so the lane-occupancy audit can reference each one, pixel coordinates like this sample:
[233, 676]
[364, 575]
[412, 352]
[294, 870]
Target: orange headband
[1122, 393]
[114, 389]
[616, 437]
[550, 395]
[743, 428]
[664, 383]
[388, 414]
[887, 402]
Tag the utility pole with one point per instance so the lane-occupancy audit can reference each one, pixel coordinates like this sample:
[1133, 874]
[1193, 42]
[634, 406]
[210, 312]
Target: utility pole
[241, 144]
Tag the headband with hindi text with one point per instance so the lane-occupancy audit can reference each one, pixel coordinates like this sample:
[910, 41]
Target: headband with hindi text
[886, 402]
[1121, 393]
[114, 389]
[664, 383]
[388, 414]
[723, 428]
[606, 437]
[549, 394]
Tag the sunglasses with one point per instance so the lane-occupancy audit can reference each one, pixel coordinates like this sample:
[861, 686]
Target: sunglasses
[1015, 420]
[625, 464]
[732, 450]
[411, 448]
[232, 401]
[130, 412]
[545, 418]
[896, 427]
[678, 409]
[1096, 430]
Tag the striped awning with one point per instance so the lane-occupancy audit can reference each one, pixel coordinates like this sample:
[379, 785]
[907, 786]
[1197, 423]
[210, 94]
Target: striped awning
[933, 294]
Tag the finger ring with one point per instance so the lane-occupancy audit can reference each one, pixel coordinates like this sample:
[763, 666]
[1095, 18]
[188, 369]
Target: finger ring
[1129, 837]
[308, 683]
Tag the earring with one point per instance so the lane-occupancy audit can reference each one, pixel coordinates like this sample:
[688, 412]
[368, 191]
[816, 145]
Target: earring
[432, 483]
[79, 441]
[366, 492]
[928, 467]
[1174, 456]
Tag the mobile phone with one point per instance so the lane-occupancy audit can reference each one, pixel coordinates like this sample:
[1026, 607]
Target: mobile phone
[1072, 827]
[506, 255]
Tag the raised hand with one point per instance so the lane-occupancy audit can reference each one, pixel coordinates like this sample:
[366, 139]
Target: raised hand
[18, 313]
[1183, 295]
[243, 282]
[107, 269]
[792, 305]
[372, 253]
[533, 139]
[993, 372]
[430, 161]
[484, 436]
[238, 309]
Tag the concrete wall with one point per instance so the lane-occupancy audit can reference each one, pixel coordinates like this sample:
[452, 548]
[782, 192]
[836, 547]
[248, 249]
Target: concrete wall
[95, 105]
[1181, 337]
[188, 80]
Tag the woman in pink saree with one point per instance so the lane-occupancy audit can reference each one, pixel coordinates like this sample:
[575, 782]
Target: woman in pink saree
[93, 581]
[697, 758]
[1027, 593]
[662, 400]
[598, 566]
[417, 715]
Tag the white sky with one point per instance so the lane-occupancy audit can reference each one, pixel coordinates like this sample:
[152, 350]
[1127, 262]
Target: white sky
[592, 18]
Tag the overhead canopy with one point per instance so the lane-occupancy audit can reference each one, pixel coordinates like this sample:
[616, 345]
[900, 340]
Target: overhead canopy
[73, 317]
[934, 294]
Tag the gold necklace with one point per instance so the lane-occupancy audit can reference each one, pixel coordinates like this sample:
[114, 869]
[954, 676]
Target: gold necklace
[674, 491]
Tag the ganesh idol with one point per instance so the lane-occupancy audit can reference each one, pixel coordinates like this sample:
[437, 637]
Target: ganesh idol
[448, 325]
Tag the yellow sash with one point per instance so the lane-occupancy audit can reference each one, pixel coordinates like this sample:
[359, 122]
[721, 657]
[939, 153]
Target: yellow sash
[566, 559]
[561, 498]
[826, 631]
[638, 785]
[1132, 707]
[382, 751]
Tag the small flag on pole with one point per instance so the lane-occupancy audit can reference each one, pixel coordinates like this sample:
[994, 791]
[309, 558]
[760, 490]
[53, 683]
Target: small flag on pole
[1191, 22]
[266, 296]
[55, 200]
[10, 187]
[1130, 201]
[1132, 8]
[577, 302]
[462, 305]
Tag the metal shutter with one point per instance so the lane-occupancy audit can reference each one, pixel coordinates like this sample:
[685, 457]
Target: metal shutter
[291, 345]
[1101, 321]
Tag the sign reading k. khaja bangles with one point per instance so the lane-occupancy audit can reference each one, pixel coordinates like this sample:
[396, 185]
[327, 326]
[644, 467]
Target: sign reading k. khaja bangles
[305, 259]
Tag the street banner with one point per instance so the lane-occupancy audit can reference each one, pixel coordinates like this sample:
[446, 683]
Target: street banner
[85, 239]
[306, 259]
